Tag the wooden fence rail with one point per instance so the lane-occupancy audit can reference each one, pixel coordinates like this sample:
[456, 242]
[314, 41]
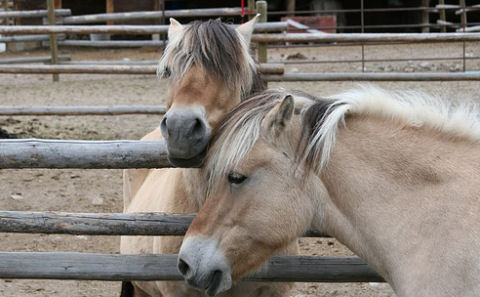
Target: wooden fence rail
[45, 59]
[271, 71]
[43, 153]
[22, 38]
[113, 43]
[33, 13]
[80, 110]
[160, 224]
[114, 267]
[267, 68]
[112, 62]
[117, 29]
[365, 37]
[94, 223]
[145, 15]
[270, 38]
[375, 76]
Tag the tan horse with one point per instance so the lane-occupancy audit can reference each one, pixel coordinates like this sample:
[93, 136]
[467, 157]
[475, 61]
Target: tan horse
[209, 71]
[394, 176]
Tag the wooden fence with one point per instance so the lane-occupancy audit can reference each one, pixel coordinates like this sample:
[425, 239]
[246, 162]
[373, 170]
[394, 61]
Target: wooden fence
[45, 59]
[100, 223]
[33, 13]
[127, 154]
[112, 267]
[81, 110]
[270, 68]
[272, 72]
[263, 36]
[44, 153]
[83, 266]
[270, 37]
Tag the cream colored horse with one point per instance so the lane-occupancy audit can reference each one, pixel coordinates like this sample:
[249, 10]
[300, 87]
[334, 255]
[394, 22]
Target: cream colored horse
[394, 176]
[209, 71]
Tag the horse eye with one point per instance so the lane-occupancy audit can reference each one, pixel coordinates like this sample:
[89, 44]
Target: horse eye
[166, 72]
[236, 178]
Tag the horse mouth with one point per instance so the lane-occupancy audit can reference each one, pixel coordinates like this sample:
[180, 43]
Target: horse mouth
[195, 161]
[210, 286]
[213, 287]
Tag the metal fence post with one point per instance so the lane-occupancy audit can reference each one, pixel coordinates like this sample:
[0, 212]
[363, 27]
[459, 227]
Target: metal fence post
[464, 25]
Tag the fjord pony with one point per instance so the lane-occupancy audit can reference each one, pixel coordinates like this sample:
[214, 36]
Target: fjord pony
[394, 176]
[209, 71]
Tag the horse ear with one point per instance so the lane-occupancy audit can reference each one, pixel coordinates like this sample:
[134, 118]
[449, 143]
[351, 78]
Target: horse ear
[174, 28]
[246, 29]
[282, 114]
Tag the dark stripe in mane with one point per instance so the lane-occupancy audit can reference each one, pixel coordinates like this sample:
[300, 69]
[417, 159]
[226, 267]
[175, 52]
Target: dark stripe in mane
[258, 86]
[312, 120]
[314, 116]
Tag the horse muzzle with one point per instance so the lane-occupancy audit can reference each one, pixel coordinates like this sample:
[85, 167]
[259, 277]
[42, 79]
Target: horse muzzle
[204, 266]
[186, 134]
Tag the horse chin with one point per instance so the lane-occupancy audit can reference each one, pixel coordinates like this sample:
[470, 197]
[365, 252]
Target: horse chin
[195, 161]
[219, 284]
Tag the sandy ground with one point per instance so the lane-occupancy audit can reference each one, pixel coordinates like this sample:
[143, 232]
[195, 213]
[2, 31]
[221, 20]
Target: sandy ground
[100, 190]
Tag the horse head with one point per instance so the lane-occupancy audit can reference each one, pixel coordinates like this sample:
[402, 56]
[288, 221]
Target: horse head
[209, 71]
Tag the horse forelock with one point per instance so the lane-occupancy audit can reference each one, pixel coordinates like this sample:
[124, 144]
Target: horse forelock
[215, 48]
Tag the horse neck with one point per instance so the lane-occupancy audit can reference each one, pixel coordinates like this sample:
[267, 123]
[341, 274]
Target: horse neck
[194, 187]
[390, 201]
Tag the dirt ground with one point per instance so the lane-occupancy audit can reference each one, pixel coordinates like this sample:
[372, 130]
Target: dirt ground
[100, 190]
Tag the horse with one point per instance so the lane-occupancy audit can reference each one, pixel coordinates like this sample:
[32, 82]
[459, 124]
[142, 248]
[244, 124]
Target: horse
[393, 175]
[209, 71]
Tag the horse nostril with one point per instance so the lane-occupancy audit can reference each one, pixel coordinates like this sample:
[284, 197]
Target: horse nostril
[198, 129]
[183, 267]
[163, 127]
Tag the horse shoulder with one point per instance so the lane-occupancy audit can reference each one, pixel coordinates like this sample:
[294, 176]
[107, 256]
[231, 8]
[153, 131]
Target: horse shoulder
[160, 192]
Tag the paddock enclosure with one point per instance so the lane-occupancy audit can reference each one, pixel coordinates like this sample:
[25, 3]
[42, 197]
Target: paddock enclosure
[96, 100]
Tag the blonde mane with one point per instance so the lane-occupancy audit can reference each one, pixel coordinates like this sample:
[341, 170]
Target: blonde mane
[241, 129]
[215, 48]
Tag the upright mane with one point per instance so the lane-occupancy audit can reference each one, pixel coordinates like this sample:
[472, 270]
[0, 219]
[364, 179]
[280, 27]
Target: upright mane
[240, 129]
[218, 50]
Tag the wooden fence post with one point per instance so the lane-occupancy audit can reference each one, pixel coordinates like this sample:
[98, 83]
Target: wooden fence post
[291, 8]
[5, 8]
[443, 18]
[426, 16]
[251, 8]
[53, 37]
[110, 9]
[262, 46]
